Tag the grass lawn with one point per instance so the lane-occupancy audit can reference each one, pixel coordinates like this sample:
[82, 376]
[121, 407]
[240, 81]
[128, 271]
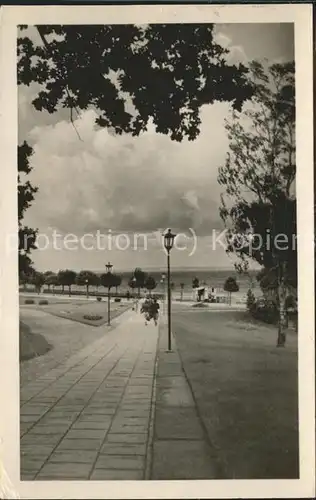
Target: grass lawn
[75, 310]
[32, 344]
[246, 391]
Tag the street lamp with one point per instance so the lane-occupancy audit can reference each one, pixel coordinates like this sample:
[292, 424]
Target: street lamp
[108, 268]
[168, 244]
[136, 300]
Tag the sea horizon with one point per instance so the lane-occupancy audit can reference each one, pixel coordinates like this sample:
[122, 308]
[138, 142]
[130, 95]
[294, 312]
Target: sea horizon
[163, 269]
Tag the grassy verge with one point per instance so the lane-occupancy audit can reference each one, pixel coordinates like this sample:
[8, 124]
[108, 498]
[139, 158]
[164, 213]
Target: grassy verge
[80, 311]
[246, 391]
[31, 345]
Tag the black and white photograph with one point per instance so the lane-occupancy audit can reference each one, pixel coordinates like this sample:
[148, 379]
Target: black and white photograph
[158, 211]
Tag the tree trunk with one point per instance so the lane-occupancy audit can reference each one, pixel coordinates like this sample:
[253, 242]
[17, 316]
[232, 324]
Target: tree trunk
[69, 286]
[282, 292]
[87, 289]
[181, 295]
[63, 288]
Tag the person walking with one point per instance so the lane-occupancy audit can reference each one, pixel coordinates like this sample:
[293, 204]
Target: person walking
[155, 310]
[146, 310]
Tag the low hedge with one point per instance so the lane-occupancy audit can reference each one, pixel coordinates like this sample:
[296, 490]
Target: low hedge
[92, 317]
[29, 301]
[43, 302]
[267, 310]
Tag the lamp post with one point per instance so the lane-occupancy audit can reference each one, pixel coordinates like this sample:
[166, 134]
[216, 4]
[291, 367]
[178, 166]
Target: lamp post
[168, 244]
[108, 268]
[136, 300]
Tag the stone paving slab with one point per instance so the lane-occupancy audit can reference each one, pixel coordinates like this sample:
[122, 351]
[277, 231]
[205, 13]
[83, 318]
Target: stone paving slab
[123, 449]
[90, 417]
[117, 475]
[120, 462]
[180, 446]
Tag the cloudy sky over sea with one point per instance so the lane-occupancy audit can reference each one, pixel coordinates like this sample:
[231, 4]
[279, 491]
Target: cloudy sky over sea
[108, 185]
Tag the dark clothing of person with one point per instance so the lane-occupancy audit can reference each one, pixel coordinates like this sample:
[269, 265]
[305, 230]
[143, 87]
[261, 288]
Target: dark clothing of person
[155, 307]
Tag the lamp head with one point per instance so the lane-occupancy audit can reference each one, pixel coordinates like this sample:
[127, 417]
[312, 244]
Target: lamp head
[108, 267]
[169, 240]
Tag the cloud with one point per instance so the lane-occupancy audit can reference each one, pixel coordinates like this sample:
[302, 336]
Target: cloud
[126, 183]
[29, 117]
[236, 54]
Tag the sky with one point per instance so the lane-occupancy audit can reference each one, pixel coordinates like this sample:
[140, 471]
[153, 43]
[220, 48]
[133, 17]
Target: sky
[114, 195]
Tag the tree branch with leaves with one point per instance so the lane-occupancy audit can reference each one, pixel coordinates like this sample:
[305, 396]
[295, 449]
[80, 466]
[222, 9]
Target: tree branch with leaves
[165, 71]
[258, 205]
[26, 192]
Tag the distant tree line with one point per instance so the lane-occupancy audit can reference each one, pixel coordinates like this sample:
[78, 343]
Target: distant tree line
[67, 278]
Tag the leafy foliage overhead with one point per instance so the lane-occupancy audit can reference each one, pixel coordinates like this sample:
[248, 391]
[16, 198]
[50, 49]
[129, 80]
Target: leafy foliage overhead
[166, 71]
[26, 192]
[259, 204]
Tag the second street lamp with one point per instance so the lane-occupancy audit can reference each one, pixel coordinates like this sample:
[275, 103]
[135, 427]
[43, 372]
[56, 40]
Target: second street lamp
[168, 244]
[135, 299]
[163, 282]
[108, 268]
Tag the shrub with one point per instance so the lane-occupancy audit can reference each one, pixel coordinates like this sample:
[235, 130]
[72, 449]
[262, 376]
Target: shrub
[117, 299]
[265, 310]
[29, 301]
[43, 302]
[99, 299]
[290, 302]
[91, 317]
[251, 300]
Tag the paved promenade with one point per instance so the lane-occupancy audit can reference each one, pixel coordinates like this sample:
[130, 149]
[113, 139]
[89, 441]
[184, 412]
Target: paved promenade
[120, 408]
[90, 417]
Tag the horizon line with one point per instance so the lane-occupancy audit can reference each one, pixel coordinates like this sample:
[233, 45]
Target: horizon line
[160, 269]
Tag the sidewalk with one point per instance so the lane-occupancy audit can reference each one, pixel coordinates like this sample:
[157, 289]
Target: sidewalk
[180, 444]
[90, 417]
